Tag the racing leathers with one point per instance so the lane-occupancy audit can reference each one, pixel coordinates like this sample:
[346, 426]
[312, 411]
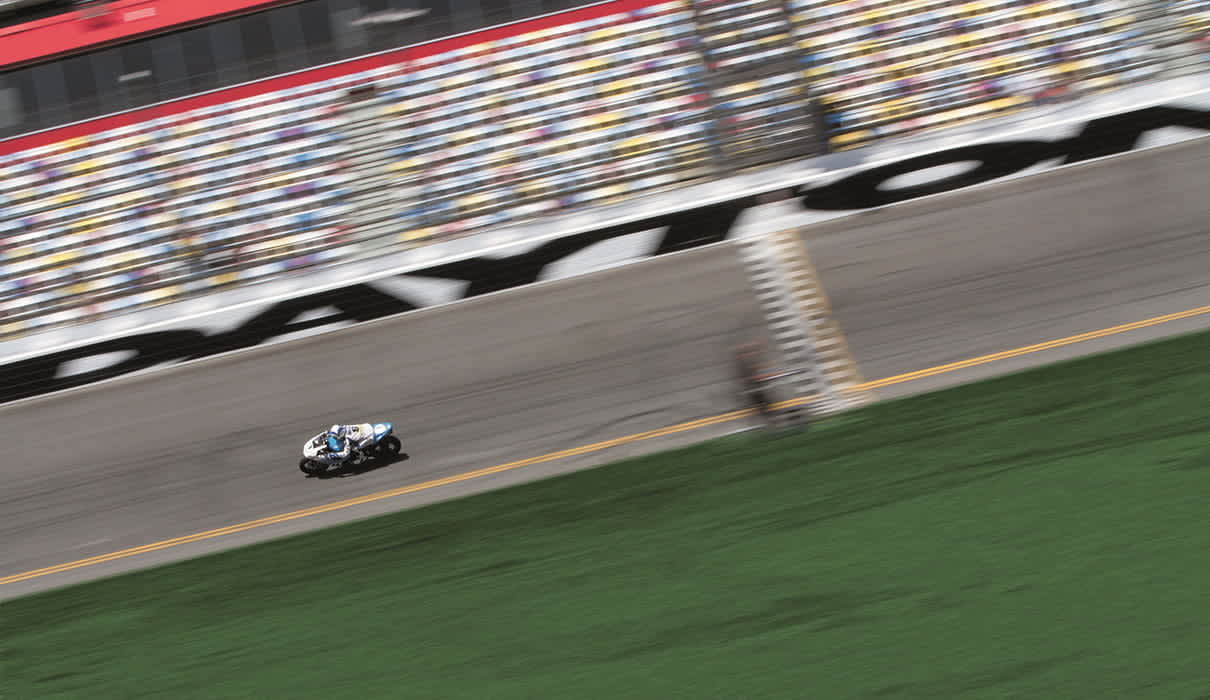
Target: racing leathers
[349, 441]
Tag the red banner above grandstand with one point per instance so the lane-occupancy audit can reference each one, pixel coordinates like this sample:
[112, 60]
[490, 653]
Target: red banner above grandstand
[108, 22]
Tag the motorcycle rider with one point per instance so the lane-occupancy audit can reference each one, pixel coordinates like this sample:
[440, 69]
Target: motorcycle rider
[756, 375]
[753, 370]
[349, 441]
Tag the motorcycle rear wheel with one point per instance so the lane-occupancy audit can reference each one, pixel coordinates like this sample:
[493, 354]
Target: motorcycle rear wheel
[389, 447]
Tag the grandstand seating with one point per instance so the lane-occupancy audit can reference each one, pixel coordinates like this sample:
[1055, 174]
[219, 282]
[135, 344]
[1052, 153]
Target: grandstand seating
[582, 114]
[590, 112]
[145, 214]
[887, 67]
[1192, 19]
[761, 103]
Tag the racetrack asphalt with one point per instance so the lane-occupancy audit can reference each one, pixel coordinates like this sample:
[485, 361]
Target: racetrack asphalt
[582, 360]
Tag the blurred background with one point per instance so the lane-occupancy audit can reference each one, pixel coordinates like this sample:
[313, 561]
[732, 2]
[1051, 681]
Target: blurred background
[162, 150]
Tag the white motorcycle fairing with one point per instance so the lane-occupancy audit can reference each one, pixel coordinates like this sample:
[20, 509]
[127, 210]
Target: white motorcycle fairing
[317, 449]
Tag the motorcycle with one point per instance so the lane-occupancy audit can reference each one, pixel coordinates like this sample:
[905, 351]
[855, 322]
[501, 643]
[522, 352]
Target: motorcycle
[318, 459]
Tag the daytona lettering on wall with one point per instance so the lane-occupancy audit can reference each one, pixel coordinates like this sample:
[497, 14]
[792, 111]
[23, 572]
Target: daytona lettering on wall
[680, 231]
[353, 304]
[1107, 136]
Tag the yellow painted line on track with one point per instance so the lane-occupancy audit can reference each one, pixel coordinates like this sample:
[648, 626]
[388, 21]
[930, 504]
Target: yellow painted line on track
[586, 449]
[1038, 347]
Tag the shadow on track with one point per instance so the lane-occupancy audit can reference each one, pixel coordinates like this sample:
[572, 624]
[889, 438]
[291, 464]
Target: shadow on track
[359, 469]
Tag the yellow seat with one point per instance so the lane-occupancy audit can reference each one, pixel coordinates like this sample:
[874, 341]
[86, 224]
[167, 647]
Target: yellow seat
[414, 235]
[851, 139]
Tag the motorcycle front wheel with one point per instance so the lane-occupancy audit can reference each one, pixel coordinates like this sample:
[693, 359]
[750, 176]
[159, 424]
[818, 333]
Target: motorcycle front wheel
[311, 467]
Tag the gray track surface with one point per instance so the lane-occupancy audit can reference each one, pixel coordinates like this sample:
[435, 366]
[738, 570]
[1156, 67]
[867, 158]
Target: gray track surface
[572, 362]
